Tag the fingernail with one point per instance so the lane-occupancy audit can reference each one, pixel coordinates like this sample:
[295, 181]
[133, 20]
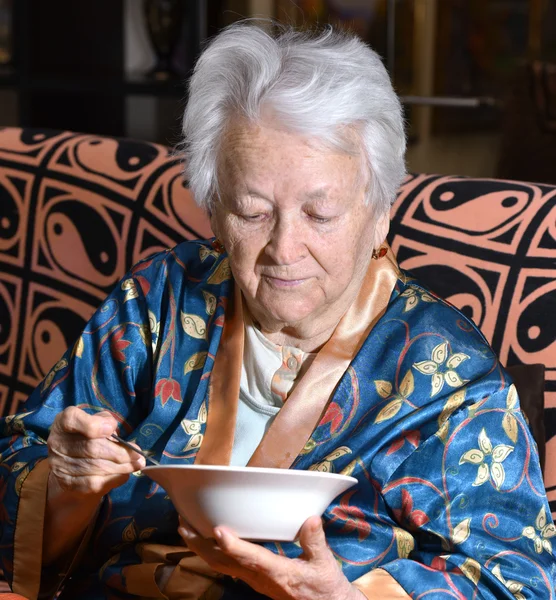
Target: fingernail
[141, 462]
[218, 534]
[185, 533]
[107, 428]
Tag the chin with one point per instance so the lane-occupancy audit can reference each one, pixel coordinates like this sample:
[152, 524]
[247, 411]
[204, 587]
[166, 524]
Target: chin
[278, 312]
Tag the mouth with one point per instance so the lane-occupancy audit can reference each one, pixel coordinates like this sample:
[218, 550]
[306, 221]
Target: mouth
[279, 282]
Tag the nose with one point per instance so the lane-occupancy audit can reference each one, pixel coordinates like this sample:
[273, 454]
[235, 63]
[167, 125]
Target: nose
[285, 245]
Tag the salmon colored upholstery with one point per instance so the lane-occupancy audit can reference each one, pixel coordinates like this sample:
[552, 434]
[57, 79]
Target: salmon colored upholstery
[489, 247]
[78, 210]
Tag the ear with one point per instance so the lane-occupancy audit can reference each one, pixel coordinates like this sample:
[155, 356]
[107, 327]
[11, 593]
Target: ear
[381, 229]
[214, 222]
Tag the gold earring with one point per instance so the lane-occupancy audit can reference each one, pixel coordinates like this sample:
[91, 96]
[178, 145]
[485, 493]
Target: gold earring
[382, 251]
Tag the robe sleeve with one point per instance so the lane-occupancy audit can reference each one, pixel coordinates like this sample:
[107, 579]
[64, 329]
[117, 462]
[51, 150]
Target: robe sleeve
[117, 343]
[380, 585]
[472, 503]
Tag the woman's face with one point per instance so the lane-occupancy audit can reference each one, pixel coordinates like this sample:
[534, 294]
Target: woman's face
[293, 220]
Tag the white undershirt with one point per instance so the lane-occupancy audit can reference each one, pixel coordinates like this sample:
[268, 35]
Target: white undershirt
[258, 403]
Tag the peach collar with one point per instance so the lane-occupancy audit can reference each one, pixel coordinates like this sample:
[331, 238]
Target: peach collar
[296, 421]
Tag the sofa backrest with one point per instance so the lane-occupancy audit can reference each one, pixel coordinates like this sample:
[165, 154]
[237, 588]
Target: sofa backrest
[489, 247]
[78, 210]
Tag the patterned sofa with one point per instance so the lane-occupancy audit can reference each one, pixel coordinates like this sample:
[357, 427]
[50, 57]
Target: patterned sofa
[77, 210]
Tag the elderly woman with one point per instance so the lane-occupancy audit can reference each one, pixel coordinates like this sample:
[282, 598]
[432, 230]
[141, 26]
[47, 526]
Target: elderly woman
[292, 340]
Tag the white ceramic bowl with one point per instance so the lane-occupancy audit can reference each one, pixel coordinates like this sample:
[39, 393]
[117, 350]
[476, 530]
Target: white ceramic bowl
[257, 503]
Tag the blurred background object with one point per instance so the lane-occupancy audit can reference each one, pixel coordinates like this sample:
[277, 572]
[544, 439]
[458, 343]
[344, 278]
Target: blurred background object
[6, 19]
[528, 129]
[476, 76]
[164, 19]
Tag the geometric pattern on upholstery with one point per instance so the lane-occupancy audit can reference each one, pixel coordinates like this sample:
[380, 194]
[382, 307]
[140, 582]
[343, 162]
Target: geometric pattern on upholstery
[489, 247]
[77, 211]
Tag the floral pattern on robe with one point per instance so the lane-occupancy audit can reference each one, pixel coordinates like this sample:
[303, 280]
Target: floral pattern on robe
[450, 499]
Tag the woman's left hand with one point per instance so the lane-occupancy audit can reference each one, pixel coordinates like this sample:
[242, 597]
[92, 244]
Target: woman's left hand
[315, 575]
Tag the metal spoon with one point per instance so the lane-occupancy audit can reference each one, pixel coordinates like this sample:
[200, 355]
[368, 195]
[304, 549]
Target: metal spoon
[117, 438]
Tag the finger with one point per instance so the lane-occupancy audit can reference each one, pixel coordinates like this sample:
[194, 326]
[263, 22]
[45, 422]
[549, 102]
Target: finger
[132, 454]
[183, 523]
[313, 540]
[76, 446]
[186, 531]
[91, 484]
[69, 466]
[77, 421]
[250, 556]
[207, 550]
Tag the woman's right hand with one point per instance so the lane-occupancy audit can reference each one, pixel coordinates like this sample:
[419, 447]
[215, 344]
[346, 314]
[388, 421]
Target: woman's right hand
[81, 458]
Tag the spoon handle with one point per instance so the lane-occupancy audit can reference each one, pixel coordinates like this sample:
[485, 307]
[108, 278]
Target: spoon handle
[117, 438]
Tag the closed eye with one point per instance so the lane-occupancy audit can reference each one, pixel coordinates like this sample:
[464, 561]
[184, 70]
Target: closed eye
[254, 217]
[320, 219]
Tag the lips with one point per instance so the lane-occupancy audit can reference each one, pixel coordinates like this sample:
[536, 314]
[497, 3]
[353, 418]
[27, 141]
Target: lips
[281, 282]
[284, 278]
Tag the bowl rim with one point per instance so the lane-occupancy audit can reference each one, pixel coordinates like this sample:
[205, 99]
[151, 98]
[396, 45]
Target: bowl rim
[255, 470]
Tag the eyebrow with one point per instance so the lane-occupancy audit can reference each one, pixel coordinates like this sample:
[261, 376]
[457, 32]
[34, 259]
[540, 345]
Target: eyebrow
[255, 193]
[318, 194]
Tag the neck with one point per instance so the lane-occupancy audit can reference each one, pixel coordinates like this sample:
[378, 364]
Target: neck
[288, 336]
[311, 333]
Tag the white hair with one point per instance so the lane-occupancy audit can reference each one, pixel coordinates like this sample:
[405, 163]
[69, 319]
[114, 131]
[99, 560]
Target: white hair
[316, 83]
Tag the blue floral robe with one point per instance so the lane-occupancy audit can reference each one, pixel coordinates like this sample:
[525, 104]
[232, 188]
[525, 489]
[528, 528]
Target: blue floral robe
[450, 499]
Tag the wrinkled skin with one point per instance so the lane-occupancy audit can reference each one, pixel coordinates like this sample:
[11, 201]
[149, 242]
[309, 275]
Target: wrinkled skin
[315, 575]
[82, 459]
[293, 219]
